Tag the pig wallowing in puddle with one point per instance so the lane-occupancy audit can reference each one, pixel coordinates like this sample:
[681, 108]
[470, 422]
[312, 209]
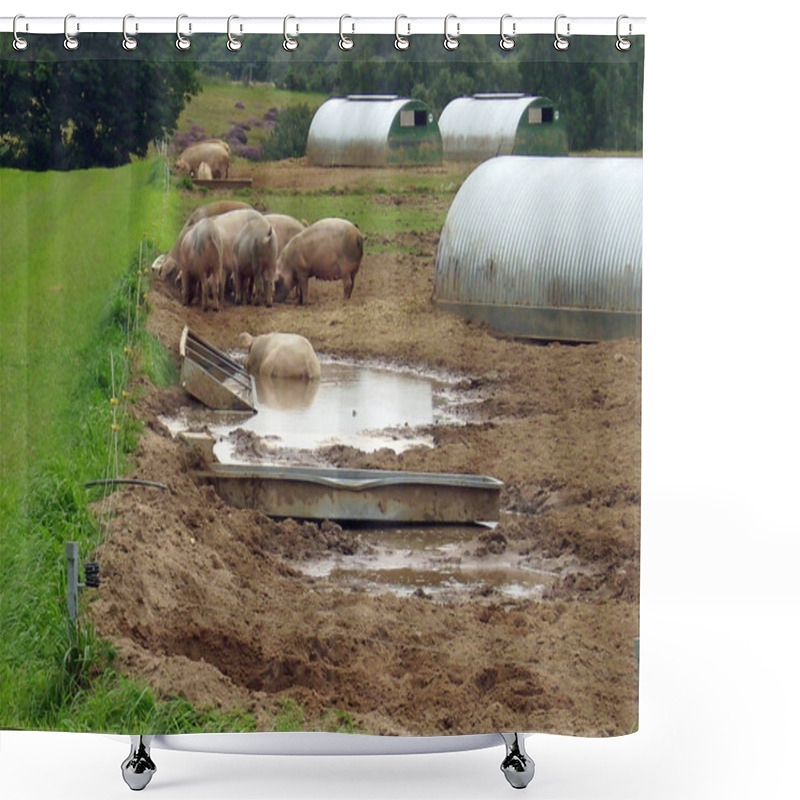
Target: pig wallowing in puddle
[280, 355]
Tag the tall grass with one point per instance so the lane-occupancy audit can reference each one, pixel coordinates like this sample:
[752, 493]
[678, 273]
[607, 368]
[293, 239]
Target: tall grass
[56, 674]
[73, 308]
[66, 237]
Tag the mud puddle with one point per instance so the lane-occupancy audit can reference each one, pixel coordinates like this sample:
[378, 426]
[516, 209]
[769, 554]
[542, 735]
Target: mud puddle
[367, 407]
[441, 562]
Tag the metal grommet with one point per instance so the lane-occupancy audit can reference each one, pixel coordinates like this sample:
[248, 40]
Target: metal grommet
[182, 43]
[345, 43]
[19, 43]
[451, 42]
[289, 43]
[623, 44]
[507, 42]
[400, 42]
[128, 42]
[234, 44]
[70, 42]
[561, 43]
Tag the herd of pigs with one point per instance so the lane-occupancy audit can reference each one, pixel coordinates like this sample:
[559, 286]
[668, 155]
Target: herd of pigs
[230, 248]
[262, 257]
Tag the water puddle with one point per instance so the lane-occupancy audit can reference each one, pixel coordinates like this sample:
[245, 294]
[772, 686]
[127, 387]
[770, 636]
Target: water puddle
[368, 407]
[365, 407]
[441, 562]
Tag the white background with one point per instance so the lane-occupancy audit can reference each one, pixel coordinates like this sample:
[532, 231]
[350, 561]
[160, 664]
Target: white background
[720, 609]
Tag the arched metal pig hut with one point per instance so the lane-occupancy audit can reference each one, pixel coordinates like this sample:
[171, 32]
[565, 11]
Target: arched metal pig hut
[548, 248]
[373, 130]
[487, 125]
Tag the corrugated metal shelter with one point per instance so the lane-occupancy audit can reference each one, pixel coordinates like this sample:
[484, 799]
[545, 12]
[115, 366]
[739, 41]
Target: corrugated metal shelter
[373, 130]
[487, 125]
[548, 248]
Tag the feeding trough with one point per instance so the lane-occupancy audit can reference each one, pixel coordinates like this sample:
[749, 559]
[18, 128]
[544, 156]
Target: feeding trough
[223, 183]
[213, 378]
[357, 494]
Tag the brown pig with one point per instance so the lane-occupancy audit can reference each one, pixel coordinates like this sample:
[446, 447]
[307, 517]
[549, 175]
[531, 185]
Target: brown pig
[285, 228]
[201, 260]
[280, 355]
[330, 250]
[169, 265]
[255, 255]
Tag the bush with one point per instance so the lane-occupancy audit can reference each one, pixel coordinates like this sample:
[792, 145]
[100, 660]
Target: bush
[289, 136]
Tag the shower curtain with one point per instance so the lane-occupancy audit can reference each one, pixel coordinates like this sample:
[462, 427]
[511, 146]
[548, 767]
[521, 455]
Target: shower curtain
[435, 529]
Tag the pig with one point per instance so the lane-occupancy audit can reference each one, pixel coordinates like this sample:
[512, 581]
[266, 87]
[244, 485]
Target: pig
[285, 227]
[215, 153]
[280, 355]
[201, 259]
[330, 249]
[255, 255]
[168, 265]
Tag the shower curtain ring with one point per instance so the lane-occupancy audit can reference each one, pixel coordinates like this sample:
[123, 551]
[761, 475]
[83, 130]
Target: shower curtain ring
[451, 42]
[128, 42]
[288, 42]
[234, 44]
[507, 42]
[400, 42]
[561, 43]
[182, 43]
[70, 42]
[623, 44]
[345, 43]
[19, 43]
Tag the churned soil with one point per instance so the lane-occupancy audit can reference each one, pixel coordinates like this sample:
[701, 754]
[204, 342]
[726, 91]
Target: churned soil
[208, 602]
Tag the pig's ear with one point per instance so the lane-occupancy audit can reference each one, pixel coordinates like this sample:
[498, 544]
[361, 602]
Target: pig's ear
[246, 339]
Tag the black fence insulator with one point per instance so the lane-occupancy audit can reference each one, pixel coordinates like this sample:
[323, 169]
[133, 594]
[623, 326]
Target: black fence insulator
[91, 572]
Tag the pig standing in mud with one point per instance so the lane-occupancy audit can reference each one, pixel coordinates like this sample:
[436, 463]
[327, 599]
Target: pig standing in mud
[285, 228]
[330, 250]
[201, 263]
[168, 264]
[255, 254]
[280, 355]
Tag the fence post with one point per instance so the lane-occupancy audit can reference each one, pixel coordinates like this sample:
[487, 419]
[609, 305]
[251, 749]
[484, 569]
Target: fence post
[72, 581]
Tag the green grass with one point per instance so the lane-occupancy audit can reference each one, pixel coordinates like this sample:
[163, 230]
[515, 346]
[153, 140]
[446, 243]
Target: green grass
[214, 109]
[371, 218]
[65, 239]
[64, 355]
[74, 274]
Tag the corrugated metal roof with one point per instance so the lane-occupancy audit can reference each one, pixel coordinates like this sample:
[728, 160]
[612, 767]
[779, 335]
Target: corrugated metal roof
[483, 125]
[353, 130]
[545, 232]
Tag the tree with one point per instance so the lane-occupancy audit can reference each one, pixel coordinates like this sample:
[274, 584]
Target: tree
[85, 112]
[289, 136]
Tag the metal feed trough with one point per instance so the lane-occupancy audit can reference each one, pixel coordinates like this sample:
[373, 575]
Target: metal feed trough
[213, 378]
[223, 183]
[358, 494]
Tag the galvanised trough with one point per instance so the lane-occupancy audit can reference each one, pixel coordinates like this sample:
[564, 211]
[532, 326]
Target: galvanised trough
[213, 378]
[356, 494]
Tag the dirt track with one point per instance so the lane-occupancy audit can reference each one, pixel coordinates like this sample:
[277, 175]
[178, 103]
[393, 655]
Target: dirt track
[210, 602]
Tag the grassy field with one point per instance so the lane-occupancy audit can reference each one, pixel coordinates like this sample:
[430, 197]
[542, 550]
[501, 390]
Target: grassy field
[73, 292]
[67, 237]
[73, 297]
[215, 108]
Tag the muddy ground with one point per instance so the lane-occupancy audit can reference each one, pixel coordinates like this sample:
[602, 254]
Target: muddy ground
[211, 603]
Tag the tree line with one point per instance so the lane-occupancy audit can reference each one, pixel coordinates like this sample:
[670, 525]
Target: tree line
[101, 105]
